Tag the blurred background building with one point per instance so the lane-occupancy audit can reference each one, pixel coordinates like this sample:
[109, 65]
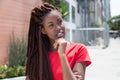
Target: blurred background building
[14, 19]
[87, 22]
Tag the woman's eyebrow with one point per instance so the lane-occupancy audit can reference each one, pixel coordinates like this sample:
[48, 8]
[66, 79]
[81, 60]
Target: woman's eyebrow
[50, 22]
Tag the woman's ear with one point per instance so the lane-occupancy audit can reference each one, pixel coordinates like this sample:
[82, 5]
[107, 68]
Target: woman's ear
[43, 31]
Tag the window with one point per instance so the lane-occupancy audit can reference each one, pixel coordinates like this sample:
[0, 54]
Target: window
[73, 14]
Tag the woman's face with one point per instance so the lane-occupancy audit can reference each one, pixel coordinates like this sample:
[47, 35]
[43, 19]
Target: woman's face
[54, 27]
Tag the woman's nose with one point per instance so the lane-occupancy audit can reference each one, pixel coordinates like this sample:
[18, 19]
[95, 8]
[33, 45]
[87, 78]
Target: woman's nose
[58, 26]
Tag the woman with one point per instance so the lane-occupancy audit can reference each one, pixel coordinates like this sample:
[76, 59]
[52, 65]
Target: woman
[49, 55]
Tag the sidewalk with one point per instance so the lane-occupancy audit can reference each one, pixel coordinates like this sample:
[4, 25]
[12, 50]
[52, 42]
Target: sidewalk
[105, 62]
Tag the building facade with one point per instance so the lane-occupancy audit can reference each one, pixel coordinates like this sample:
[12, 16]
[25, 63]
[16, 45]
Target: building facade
[88, 21]
[14, 18]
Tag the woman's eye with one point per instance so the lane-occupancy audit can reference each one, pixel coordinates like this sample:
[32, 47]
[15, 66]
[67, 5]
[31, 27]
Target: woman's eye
[51, 25]
[60, 22]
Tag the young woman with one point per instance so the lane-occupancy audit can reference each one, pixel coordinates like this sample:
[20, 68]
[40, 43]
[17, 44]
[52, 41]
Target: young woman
[49, 55]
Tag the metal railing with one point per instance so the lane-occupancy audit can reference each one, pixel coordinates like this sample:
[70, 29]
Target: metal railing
[89, 36]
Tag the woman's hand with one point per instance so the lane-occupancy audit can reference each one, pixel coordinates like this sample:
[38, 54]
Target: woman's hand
[60, 44]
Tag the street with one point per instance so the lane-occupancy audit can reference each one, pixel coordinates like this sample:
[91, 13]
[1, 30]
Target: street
[105, 62]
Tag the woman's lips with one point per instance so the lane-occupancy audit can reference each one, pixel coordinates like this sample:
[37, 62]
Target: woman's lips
[60, 34]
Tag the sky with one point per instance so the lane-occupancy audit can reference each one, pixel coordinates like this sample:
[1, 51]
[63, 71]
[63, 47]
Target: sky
[115, 7]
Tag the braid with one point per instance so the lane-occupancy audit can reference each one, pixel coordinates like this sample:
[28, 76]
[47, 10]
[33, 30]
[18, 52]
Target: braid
[38, 65]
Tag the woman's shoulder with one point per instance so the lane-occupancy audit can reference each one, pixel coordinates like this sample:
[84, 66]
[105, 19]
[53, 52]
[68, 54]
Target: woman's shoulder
[74, 44]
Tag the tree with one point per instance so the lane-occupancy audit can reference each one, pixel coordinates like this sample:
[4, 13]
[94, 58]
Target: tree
[114, 23]
[61, 4]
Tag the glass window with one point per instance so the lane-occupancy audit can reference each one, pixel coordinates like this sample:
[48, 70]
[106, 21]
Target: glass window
[73, 14]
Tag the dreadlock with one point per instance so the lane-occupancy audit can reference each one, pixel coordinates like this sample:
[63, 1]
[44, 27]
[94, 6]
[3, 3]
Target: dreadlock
[38, 65]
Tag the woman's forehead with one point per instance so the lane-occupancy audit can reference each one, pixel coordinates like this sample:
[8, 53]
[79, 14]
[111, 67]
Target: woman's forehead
[53, 13]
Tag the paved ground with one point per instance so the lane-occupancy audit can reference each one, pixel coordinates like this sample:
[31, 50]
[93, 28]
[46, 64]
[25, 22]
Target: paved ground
[105, 62]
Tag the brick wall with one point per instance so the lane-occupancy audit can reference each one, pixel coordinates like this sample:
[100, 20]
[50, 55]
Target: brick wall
[14, 17]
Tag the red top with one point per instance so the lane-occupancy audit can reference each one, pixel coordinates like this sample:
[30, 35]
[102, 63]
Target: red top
[74, 53]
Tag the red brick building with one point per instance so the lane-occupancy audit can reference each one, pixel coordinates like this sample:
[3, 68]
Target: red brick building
[14, 17]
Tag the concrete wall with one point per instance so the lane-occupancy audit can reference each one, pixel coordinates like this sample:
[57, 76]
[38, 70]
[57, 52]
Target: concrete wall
[14, 18]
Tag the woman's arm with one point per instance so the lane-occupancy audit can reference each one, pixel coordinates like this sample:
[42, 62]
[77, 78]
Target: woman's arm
[66, 70]
[78, 72]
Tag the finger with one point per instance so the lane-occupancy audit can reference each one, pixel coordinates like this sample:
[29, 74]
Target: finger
[75, 73]
[79, 77]
[56, 45]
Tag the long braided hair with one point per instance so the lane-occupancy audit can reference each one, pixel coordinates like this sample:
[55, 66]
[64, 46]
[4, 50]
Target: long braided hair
[38, 66]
